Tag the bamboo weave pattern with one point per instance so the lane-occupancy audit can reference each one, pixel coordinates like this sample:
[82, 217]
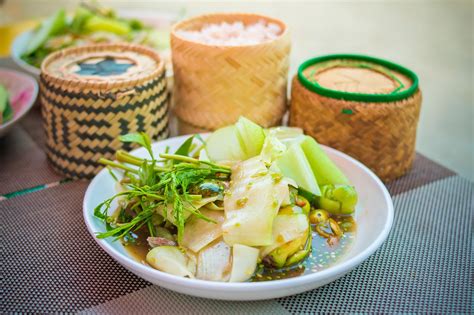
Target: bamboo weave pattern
[83, 124]
[214, 85]
[380, 135]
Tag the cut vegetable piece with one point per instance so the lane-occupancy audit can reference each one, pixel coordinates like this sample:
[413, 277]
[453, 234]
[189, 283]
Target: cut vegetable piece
[293, 164]
[251, 205]
[189, 208]
[244, 262]
[203, 156]
[199, 233]
[338, 199]
[272, 149]
[286, 228]
[4, 99]
[171, 259]
[97, 23]
[51, 26]
[282, 192]
[6, 110]
[323, 167]
[279, 257]
[287, 135]
[159, 39]
[251, 137]
[224, 145]
[80, 17]
[214, 262]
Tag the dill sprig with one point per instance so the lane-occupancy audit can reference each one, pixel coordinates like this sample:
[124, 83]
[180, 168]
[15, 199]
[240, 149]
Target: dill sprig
[151, 187]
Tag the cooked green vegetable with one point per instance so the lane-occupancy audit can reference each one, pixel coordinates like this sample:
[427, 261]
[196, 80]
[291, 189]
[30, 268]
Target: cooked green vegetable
[224, 145]
[286, 228]
[282, 256]
[214, 222]
[338, 199]
[324, 169]
[251, 204]
[90, 24]
[236, 142]
[171, 259]
[286, 135]
[293, 164]
[251, 137]
[103, 24]
[6, 110]
[51, 26]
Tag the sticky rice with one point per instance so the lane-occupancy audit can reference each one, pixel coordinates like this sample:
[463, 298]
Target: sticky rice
[233, 34]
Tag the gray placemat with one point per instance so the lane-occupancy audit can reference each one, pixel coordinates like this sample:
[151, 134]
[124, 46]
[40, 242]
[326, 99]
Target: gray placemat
[23, 164]
[425, 266]
[50, 263]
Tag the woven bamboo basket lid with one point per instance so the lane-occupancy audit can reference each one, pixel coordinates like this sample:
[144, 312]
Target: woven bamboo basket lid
[91, 95]
[364, 106]
[215, 84]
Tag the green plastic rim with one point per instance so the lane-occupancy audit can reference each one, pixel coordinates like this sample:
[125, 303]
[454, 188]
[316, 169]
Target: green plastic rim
[361, 97]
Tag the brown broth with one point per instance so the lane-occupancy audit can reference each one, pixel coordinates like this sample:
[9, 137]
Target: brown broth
[140, 248]
[322, 256]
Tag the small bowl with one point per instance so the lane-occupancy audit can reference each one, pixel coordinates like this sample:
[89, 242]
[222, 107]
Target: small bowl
[23, 90]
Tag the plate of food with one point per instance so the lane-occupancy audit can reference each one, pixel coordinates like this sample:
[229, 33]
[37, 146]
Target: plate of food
[90, 24]
[243, 213]
[18, 93]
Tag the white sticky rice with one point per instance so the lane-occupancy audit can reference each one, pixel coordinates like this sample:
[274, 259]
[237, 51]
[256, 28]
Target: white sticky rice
[233, 34]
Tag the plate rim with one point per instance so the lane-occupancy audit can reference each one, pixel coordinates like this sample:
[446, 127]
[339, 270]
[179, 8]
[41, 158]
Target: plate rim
[16, 50]
[336, 271]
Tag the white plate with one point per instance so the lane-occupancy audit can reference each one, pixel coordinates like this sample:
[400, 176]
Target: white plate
[374, 218]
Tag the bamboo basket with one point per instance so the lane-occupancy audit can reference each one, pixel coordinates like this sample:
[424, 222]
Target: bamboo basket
[214, 85]
[91, 95]
[361, 116]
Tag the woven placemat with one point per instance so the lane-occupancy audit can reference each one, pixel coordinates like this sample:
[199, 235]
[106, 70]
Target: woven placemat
[23, 164]
[50, 263]
[32, 123]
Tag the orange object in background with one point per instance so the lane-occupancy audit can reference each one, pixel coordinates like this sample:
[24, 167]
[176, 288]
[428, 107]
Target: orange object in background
[10, 31]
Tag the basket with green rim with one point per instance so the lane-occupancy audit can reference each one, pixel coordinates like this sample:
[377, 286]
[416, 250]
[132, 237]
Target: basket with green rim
[364, 106]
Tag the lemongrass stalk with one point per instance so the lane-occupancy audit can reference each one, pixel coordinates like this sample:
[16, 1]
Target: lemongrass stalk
[117, 165]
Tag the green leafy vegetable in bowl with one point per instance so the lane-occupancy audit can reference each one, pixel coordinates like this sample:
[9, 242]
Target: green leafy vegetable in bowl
[89, 24]
[246, 202]
[6, 110]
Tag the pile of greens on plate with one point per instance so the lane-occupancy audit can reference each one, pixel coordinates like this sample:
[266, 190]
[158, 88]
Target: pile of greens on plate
[89, 24]
[6, 110]
[245, 199]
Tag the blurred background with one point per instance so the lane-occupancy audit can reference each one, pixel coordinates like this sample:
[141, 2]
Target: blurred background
[433, 38]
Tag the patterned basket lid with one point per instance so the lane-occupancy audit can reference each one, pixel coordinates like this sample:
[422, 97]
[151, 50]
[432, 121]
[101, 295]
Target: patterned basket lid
[102, 66]
[357, 78]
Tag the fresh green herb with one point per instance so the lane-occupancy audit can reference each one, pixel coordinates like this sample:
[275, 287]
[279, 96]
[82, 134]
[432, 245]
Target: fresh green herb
[151, 189]
[185, 148]
[140, 138]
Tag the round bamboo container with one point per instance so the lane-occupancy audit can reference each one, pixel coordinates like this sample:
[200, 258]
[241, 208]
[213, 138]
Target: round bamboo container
[366, 107]
[214, 85]
[91, 95]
